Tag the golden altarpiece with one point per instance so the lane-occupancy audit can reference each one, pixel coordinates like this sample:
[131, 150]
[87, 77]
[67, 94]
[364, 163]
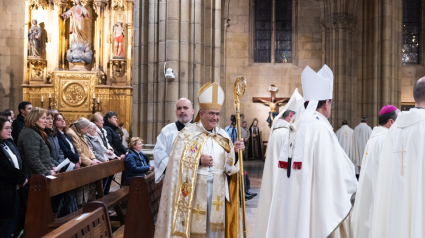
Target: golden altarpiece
[78, 56]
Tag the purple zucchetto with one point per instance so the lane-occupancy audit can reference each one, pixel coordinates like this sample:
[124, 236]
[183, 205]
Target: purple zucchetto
[387, 109]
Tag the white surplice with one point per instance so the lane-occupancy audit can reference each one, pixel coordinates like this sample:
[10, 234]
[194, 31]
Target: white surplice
[361, 135]
[399, 210]
[161, 152]
[315, 201]
[345, 138]
[363, 208]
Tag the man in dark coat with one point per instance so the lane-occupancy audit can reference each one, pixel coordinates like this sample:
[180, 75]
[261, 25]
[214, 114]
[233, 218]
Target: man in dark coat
[24, 109]
[111, 127]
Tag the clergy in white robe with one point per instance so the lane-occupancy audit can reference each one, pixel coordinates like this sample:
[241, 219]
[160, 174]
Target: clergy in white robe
[400, 188]
[196, 199]
[164, 141]
[361, 135]
[363, 206]
[345, 138]
[279, 135]
[316, 177]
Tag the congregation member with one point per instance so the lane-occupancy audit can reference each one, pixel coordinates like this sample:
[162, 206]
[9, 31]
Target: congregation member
[11, 113]
[56, 153]
[245, 134]
[316, 178]
[363, 206]
[112, 136]
[101, 133]
[361, 135]
[202, 179]
[12, 179]
[164, 141]
[136, 162]
[125, 135]
[7, 115]
[95, 144]
[278, 140]
[34, 147]
[65, 142]
[345, 138]
[76, 132]
[24, 109]
[399, 198]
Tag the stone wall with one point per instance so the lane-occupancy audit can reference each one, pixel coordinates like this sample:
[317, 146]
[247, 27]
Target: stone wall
[307, 48]
[11, 55]
[409, 75]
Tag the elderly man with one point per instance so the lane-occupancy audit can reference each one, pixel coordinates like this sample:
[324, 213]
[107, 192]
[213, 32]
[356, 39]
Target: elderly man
[196, 199]
[164, 141]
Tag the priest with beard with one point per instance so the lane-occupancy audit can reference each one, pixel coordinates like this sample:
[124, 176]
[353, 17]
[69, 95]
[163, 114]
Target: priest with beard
[361, 135]
[400, 191]
[164, 141]
[279, 134]
[316, 177]
[363, 207]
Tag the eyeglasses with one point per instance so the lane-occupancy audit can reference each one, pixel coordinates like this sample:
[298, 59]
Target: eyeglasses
[8, 128]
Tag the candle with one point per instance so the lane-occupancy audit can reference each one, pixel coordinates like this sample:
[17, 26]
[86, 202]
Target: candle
[42, 99]
[50, 95]
[94, 96]
[98, 99]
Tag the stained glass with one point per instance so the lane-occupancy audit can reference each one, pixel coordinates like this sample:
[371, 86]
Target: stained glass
[263, 31]
[283, 39]
[411, 29]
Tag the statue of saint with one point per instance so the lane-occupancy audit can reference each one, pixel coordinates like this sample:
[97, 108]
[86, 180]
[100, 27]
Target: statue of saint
[119, 37]
[273, 104]
[254, 149]
[34, 37]
[77, 13]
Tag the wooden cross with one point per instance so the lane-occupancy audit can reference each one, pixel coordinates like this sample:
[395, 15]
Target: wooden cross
[402, 156]
[198, 212]
[273, 91]
[217, 203]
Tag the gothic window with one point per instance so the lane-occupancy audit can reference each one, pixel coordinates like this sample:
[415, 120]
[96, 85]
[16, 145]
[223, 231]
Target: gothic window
[273, 36]
[411, 30]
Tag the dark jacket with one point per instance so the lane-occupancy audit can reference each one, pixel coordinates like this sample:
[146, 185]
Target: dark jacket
[135, 165]
[114, 138]
[56, 154]
[34, 152]
[66, 148]
[17, 125]
[10, 177]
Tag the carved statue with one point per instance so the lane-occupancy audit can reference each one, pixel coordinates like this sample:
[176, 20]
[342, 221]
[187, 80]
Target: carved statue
[119, 37]
[77, 13]
[273, 104]
[34, 37]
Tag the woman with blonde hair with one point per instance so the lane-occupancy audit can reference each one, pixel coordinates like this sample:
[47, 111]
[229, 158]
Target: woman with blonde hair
[33, 144]
[136, 162]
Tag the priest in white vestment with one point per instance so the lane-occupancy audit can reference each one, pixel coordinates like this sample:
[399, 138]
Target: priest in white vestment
[316, 179]
[279, 134]
[164, 141]
[197, 200]
[363, 206]
[400, 187]
[345, 138]
[361, 135]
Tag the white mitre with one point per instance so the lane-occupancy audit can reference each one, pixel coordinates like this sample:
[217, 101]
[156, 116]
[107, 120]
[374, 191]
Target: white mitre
[210, 96]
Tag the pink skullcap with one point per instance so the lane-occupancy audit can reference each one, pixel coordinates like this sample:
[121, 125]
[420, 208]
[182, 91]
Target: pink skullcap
[387, 109]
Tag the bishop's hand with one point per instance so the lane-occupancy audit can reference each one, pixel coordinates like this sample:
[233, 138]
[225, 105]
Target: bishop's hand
[207, 160]
[239, 145]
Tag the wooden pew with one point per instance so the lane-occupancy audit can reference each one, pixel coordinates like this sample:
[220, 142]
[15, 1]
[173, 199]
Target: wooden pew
[39, 216]
[142, 209]
[93, 223]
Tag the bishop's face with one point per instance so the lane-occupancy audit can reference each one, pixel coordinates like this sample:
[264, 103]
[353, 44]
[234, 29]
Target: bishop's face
[210, 118]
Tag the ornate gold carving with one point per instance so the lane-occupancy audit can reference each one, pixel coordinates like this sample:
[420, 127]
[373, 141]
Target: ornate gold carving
[118, 68]
[119, 5]
[37, 66]
[36, 4]
[74, 94]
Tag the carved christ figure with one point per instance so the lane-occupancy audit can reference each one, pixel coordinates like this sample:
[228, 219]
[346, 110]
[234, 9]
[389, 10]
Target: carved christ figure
[119, 37]
[78, 12]
[273, 104]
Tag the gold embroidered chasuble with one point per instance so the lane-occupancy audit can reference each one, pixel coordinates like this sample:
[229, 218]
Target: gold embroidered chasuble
[183, 207]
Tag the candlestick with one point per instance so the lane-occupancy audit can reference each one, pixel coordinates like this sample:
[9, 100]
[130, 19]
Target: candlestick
[42, 99]
[94, 95]
[98, 99]
[50, 95]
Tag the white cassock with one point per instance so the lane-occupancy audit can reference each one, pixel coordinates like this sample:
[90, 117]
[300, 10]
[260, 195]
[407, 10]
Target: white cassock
[279, 137]
[314, 201]
[361, 220]
[345, 138]
[161, 152]
[361, 135]
[400, 188]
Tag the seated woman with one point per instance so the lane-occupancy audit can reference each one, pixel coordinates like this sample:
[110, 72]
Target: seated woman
[95, 144]
[12, 178]
[65, 142]
[33, 145]
[136, 162]
[76, 131]
[56, 153]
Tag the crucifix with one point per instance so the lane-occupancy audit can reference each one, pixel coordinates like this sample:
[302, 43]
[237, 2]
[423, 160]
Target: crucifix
[273, 102]
[402, 156]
